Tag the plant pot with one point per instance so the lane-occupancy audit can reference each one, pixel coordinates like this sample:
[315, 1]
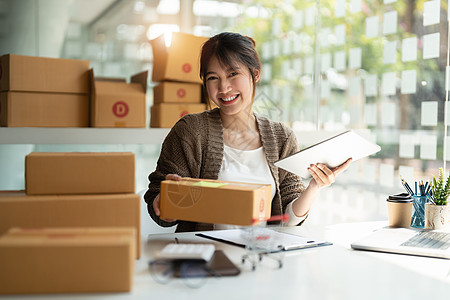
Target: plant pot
[436, 216]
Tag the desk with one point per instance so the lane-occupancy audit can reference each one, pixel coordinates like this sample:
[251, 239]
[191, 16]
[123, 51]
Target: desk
[330, 272]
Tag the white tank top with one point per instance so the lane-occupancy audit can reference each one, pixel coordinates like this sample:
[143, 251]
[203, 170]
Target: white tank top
[246, 166]
[250, 166]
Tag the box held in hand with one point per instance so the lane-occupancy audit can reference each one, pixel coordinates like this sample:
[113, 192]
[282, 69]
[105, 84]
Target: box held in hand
[48, 173]
[214, 201]
[62, 260]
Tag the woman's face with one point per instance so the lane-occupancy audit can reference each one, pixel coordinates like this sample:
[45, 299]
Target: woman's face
[231, 89]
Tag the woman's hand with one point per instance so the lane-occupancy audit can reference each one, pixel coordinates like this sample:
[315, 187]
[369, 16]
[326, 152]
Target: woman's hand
[323, 176]
[157, 200]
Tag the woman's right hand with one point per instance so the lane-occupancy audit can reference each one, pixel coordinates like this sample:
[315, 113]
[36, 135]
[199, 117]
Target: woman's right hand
[157, 200]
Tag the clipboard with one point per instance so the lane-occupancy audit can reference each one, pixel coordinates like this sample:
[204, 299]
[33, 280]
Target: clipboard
[287, 241]
[333, 152]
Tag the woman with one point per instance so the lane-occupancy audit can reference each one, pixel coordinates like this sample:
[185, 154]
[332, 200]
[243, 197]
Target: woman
[231, 142]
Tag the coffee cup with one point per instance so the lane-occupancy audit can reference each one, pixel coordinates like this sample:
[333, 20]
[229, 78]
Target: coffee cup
[400, 210]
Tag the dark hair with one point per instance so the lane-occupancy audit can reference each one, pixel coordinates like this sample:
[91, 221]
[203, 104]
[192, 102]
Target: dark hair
[230, 48]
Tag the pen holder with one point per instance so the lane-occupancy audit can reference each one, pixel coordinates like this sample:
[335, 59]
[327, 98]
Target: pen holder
[418, 216]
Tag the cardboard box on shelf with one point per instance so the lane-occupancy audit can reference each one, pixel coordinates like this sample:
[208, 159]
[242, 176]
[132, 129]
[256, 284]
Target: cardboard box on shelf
[176, 57]
[49, 173]
[106, 210]
[29, 109]
[214, 201]
[67, 260]
[41, 74]
[165, 115]
[116, 103]
[177, 92]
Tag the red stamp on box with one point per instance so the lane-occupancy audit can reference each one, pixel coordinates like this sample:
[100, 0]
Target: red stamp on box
[120, 109]
[186, 68]
[181, 93]
[183, 113]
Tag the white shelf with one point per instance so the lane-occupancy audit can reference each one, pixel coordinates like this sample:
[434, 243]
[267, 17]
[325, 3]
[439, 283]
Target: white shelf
[39, 135]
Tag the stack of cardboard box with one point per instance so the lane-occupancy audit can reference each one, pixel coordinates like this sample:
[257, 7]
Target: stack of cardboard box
[54, 92]
[76, 191]
[176, 67]
[43, 92]
[115, 103]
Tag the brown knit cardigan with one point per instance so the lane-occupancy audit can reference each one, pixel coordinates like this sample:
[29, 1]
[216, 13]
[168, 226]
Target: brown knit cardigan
[194, 148]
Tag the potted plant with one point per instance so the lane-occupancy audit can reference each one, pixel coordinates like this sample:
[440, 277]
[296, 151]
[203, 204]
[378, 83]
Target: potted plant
[436, 211]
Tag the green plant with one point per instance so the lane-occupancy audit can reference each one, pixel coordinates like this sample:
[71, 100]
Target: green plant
[440, 189]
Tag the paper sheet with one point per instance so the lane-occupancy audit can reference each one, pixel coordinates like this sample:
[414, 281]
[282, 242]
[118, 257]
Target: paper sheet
[390, 22]
[388, 84]
[388, 113]
[339, 8]
[407, 173]
[325, 62]
[408, 83]
[390, 52]
[339, 33]
[431, 45]
[371, 85]
[370, 114]
[409, 49]
[387, 175]
[310, 14]
[354, 58]
[354, 86]
[261, 238]
[339, 60]
[406, 146]
[428, 145]
[431, 12]
[355, 6]
[324, 37]
[372, 27]
[297, 19]
[429, 113]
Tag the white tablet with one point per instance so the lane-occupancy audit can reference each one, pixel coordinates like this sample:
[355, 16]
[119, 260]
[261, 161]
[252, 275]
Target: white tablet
[332, 152]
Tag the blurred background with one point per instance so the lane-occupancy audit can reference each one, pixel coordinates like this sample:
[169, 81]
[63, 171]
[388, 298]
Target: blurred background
[377, 67]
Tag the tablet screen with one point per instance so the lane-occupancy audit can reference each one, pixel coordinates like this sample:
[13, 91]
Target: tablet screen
[332, 152]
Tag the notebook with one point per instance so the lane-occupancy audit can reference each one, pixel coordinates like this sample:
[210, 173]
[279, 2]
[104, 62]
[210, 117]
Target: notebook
[407, 241]
[332, 152]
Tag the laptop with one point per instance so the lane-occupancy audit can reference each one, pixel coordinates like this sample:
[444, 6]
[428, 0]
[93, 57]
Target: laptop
[410, 241]
[332, 151]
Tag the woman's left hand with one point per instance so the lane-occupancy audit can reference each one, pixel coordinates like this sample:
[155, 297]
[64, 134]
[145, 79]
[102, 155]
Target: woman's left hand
[324, 176]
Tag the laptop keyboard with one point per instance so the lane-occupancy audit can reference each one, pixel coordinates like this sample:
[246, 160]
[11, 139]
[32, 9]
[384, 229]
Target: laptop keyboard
[429, 239]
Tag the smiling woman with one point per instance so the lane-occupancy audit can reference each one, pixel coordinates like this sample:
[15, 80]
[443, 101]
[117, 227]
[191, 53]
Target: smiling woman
[233, 142]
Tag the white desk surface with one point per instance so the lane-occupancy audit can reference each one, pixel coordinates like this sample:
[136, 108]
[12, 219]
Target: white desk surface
[330, 272]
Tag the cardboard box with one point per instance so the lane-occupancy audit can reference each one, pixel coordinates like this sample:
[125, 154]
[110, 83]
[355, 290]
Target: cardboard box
[176, 57]
[108, 210]
[177, 92]
[115, 103]
[67, 260]
[40, 74]
[165, 115]
[48, 173]
[217, 202]
[27, 109]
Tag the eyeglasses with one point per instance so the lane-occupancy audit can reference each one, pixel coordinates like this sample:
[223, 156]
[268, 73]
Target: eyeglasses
[194, 273]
